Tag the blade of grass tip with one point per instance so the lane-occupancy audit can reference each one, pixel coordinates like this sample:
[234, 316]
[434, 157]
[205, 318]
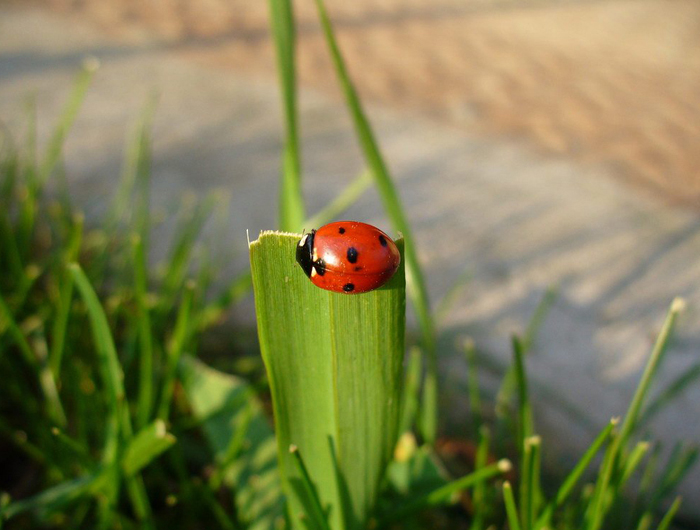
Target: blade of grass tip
[445, 494]
[346, 198]
[291, 212]
[190, 228]
[650, 370]
[145, 392]
[508, 384]
[632, 462]
[511, 509]
[525, 423]
[538, 316]
[47, 381]
[174, 349]
[149, 443]
[575, 475]
[387, 190]
[411, 390]
[70, 111]
[136, 161]
[316, 513]
[665, 523]
[473, 384]
[60, 323]
[598, 507]
[237, 290]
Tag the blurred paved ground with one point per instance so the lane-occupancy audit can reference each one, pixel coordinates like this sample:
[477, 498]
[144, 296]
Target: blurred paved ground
[614, 81]
[519, 220]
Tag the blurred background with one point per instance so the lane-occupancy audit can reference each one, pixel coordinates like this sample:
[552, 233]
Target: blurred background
[535, 143]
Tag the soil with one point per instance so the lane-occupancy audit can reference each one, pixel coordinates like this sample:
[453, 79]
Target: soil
[614, 82]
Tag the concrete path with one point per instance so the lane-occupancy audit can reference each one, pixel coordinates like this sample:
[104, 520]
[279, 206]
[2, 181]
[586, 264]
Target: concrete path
[518, 221]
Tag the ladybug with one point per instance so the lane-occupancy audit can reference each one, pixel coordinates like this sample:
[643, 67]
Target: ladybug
[348, 257]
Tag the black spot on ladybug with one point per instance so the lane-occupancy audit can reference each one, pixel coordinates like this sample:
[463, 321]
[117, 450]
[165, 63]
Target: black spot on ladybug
[382, 241]
[341, 230]
[358, 268]
[352, 255]
[320, 267]
[348, 287]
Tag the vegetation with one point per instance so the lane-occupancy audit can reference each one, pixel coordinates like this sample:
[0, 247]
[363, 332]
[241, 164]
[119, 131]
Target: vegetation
[110, 418]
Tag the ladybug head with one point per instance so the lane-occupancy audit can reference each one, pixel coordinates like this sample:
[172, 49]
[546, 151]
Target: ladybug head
[305, 252]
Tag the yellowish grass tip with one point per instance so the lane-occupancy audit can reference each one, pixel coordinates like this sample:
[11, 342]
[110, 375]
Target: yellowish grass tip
[535, 439]
[504, 465]
[615, 420]
[293, 448]
[678, 304]
[91, 63]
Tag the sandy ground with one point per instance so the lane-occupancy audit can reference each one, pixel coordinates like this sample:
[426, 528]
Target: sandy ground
[614, 81]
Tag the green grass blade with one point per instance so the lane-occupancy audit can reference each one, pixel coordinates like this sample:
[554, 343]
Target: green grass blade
[65, 122]
[54, 498]
[145, 392]
[481, 460]
[473, 384]
[575, 475]
[387, 190]
[665, 523]
[509, 383]
[291, 213]
[650, 370]
[445, 494]
[411, 390]
[174, 350]
[112, 375]
[598, 507]
[334, 363]
[673, 390]
[346, 198]
[525, 423]
[60, 324]
[149, 443]
[511, 509]
[316, 514]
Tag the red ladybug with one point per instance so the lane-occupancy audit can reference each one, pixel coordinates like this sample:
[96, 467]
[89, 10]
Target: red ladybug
[348, 257]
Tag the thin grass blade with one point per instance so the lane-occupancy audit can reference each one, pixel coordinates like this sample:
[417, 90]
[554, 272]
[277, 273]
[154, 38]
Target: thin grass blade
[387, 190]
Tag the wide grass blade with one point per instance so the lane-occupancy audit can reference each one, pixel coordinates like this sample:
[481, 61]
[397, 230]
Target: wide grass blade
[392, 204]
[334, 363]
